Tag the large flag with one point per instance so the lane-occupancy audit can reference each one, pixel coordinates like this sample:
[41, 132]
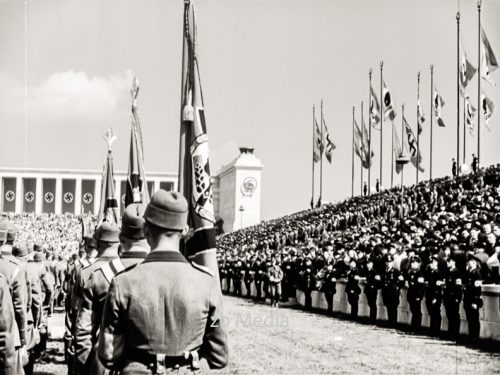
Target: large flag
[358, 142]
[389, 112]
[415, 156]
[327, 142]
[467, 72]
[487, 108]
[108, 209]
[195, 181]
[318, 142]
[374, 109]
[396, 148]
[489, 61]
[420, 117]
[438, 103]
[470, 113]
[136, 189]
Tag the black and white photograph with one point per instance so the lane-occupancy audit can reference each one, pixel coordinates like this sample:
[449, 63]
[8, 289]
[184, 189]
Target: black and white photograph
[249, 187]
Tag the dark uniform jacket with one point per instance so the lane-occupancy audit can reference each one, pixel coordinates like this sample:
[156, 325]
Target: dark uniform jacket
[373, 283]
[167, 306]
[416, 285]
[453, 286]
[7, 330]
[434, 291]
[472, 290]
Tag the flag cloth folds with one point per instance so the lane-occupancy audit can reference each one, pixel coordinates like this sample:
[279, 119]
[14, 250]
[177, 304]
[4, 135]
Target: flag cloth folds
[318, 142]
[396, 148]
[358, 142]
[415, 157]
[136, 188]
[374, 109]
[367, 160]
[470, 113]
[327, 142]
[487, 108]
[420, 117]
[195, 181]
[108, 209]
[467, 72]
[438, 103]
[389, 112]
[489, 61]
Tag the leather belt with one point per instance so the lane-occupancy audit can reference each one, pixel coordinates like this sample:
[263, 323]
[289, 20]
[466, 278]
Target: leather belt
[159, 363]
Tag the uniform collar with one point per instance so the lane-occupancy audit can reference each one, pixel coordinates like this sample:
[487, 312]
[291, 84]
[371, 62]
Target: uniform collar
[165, 256]
[134, 254]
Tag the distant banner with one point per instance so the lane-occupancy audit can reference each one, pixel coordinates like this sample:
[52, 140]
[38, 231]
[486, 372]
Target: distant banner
[88, 190]
[49, 195]
[167, 185]
[29, 194]
[9, 194]
[123, 193]
[68, 196]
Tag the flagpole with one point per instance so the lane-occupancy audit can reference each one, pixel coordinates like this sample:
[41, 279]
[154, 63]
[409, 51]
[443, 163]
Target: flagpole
[458, 93]
[465, 134]
[392, 155]
[312, 195]
[402, 140]
[381, 121]
[479, 85]
[352, 161]
[321, 159]
[418, 127]
[369, 132]
[432, 109]
[363, 144]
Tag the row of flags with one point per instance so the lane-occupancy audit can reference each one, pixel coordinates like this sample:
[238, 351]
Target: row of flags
[409, 145]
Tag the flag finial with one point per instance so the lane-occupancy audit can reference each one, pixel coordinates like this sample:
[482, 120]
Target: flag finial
[109, 137]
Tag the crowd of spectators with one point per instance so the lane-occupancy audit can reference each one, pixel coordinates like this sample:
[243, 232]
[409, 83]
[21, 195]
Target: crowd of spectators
[448, 216]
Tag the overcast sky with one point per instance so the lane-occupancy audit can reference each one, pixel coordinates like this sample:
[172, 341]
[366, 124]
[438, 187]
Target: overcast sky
[264, 63]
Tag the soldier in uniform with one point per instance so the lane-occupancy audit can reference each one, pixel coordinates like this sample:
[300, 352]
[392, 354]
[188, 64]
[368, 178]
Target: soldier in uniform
[259, 277]
[472, 297]
[238, 276]
[415, 294]
[454, 167]
[8, 359]
[15, 275]
[434, 295]
[34, 306]
[392, 281]
[222, 272]
[352, 288]
[307, 283]
[93, 288]
[274, 275]
[249, 277]
[329, 286]
[166, 312]
[373, 283]
[452, 296]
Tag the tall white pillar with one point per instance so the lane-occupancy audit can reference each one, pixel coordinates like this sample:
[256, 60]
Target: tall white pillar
[38, 196]
[19, 195]
[156, 186]
[59, 193]
[78, 196]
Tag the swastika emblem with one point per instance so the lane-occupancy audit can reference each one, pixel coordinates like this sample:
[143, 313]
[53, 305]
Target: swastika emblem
[10, 196]
[87, 198]
[68, 197]
[29, 196]
[48, 197]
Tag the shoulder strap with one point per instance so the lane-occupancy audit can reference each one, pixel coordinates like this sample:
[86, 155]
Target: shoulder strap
[109, 270]
[202, 268]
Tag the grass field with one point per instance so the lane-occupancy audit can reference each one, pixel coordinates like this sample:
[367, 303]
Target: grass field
[264, 340]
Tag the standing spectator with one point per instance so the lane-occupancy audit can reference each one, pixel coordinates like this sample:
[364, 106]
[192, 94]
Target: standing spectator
[373, 281]
[452, 297]
[472, 298]
[274, 275]
[433, 295]
[390, 290]
[352, 288]
[454, 167]
[416, 288]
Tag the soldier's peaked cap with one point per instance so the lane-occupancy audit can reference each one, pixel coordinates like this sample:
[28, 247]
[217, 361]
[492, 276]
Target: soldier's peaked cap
[133, 221]
[108, 232]
[167, 210]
